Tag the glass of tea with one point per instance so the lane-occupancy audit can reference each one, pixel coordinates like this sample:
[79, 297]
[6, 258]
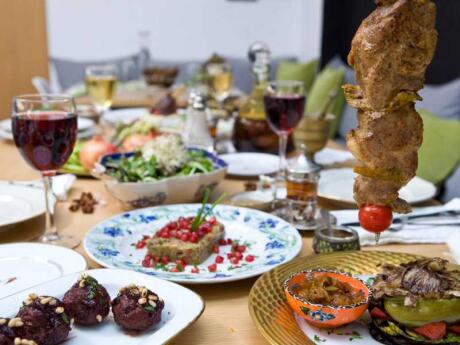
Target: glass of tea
[302, 187]
[284, 103]
[100, 84]
[45, 130]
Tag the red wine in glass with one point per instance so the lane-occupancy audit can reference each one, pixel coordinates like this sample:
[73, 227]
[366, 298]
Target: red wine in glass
[45, 139]
[284, 112]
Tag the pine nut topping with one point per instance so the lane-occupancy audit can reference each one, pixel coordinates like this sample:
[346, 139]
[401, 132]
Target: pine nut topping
[152, 303]
[59, 310]
[45, 300]
[33, 296]
[82, 283]
[53, 302]
[99, 318]
[2, 321]
[153, 298]
[142, 300]
[16, 322]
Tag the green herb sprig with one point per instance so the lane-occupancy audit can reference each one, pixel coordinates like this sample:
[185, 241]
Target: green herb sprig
[202, 213]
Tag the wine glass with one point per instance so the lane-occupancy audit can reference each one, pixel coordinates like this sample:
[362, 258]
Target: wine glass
[284, 105]
[45, 130]
[100, 84]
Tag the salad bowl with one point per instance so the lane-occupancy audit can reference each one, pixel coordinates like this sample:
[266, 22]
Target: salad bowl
[174, 189]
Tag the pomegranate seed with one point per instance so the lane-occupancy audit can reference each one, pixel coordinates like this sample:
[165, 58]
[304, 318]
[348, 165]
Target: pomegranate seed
[213, 220]
[238, 255]
[173, 233]
[140, 244]
[155, 259]
[230, 255]
[215, 249]
[201, 233]
[181, 262]
[241, 249]
[164, 260]
[249, 258]
[195, 270]
[229, 241]
[184, 237]
[147, 262]
[222, 242]
[165, 235]
[174, 269]
[212, 268]
[173, 226]
[219, 259]
[234, 261]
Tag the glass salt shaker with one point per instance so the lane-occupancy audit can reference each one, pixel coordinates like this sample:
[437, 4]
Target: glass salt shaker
[196, 132]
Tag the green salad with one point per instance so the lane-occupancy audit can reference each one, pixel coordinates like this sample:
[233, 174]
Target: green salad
[163, 157]
[73, 165]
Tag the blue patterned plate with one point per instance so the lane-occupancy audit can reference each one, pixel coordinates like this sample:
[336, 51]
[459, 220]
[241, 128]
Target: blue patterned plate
[270, 240]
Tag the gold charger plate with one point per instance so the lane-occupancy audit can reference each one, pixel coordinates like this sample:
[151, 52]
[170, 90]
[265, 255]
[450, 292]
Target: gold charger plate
[268, 306]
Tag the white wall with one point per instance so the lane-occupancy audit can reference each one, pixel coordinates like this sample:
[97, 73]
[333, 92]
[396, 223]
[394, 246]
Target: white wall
[182, 29]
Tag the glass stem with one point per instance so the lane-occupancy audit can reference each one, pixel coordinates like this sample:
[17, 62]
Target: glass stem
[50, 229]
[283, 139]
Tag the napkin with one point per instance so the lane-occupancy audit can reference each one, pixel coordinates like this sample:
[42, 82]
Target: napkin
[410, 233]
[328, 156]
[61, 184]
[453, 242]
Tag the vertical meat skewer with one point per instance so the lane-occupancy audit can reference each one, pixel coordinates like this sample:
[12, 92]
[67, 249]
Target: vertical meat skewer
[390, 53]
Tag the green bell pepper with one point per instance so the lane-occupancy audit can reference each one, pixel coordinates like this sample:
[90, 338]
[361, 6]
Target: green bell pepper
[426, 311]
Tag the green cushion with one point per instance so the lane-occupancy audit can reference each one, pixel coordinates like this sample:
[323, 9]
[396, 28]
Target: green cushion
[440, 151]
[328, 80]
[306, 72]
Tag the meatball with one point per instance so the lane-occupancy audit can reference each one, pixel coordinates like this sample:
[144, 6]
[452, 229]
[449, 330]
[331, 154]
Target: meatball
[136, 308]
[87, 302]
[6, 332]
[43, 320]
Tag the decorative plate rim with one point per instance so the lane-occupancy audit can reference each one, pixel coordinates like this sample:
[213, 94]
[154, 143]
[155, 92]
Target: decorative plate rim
[294, 250]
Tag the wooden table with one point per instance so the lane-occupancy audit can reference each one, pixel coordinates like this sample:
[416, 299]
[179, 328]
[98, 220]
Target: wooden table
[226, 318]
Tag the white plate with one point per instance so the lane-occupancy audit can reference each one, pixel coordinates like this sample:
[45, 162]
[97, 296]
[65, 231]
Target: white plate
[251, 164]
[19, 203]
[337, 184]
[182, 308]
[83, 124]
[24, 265]
[271, 241]
[126, 115]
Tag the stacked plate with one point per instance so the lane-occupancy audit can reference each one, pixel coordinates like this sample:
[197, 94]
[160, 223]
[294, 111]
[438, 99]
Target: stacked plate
[19, 203]
[86, 129]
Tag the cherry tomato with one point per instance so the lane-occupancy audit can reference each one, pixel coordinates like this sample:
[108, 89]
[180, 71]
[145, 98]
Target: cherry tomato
[375, 218]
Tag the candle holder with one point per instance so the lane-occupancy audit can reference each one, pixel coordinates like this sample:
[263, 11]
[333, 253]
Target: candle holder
[335, 239]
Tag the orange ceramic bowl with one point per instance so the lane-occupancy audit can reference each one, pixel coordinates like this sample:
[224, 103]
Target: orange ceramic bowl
[324, 316]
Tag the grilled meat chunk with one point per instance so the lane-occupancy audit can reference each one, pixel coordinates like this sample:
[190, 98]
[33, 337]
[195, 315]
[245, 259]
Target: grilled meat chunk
[392, 49]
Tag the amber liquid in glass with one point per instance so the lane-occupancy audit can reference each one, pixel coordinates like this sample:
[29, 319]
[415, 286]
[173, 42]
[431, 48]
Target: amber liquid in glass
[301, 190]
[221, 83]
[101, 90]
